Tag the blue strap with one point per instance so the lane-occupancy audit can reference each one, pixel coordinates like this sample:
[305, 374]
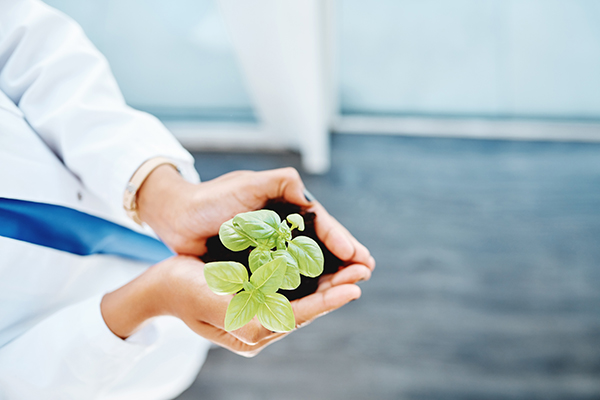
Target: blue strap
[73, 231]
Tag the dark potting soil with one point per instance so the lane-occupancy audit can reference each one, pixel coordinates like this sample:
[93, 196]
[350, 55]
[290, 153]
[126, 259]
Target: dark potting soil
[217, 252]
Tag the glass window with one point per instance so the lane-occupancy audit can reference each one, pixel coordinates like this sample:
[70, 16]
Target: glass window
[172, 58]
[494, 58]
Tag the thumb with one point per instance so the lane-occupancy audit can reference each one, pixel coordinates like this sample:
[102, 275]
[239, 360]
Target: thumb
[284, 183]
[317, 304]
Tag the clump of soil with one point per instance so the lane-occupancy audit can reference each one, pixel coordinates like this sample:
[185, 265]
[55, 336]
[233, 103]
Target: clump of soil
[217, 252]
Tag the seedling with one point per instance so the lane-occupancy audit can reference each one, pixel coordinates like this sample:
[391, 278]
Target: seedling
[276, 262]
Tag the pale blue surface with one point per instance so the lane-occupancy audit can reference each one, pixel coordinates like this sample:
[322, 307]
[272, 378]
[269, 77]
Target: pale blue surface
[495, 58]
[471, 57]
[173, 58]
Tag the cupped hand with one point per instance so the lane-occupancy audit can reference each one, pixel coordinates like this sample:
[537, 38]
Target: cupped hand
[185, 215]
[177, 287]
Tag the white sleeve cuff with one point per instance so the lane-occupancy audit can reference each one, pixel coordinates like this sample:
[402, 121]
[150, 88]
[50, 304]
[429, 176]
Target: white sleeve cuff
[72, 350]
[100, 337]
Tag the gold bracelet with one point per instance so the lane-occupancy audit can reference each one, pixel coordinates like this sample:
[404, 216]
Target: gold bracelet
[136, 181]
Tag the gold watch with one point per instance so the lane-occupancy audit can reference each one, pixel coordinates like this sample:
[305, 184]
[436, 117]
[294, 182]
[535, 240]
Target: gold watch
[136, 181]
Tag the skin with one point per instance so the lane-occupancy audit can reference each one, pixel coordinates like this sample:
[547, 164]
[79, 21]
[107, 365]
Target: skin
[184, 216]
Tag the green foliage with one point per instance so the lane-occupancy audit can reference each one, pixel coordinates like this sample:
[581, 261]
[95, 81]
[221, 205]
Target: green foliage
[269, 277]
[276, 262]
[242, 308]
[297, 221]
[276, 314]
[234, 237]
[292, 273]
[225, 277]
[308, 254]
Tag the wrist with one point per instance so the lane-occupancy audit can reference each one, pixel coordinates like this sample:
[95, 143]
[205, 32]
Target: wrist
[169, 205]
[130, 197]
[126, 309]
[158, 195]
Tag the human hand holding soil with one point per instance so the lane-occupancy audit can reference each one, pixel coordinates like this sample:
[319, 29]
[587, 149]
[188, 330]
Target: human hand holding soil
[177, 287]
[185, 215]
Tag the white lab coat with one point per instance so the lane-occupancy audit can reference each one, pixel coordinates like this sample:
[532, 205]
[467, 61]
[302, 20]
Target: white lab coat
[68, 138]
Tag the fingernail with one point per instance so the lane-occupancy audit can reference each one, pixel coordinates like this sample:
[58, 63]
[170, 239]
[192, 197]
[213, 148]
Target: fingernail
[372, 262]
[308, 195]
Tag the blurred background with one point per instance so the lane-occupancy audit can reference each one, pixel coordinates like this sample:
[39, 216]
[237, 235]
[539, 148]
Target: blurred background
[457, 139]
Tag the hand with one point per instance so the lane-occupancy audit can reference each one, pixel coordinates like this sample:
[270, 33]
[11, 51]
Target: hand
[185, 215]
[177, 287]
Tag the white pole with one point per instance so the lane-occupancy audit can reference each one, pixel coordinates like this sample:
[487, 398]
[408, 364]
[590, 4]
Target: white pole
[283, 51]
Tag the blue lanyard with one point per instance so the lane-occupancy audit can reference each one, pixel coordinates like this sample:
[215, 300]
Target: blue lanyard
[73, 231]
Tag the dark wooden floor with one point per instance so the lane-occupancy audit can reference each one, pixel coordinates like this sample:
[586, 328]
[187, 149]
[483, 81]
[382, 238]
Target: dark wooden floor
[487, 284]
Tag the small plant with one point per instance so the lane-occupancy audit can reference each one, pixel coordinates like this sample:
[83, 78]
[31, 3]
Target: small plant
[276, 262]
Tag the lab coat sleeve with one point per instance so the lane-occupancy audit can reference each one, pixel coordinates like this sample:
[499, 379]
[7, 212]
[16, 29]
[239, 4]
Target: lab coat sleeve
[67, 93]
[61, 359]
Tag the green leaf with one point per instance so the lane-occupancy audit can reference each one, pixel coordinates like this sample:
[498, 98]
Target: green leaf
[292, 273]
[285, 231]
[248, 286]
[258, 258]
[242, 308]
[269, 277]
[261, 224]
[308, 254]
[281, 243]
[233, 237]
[270, 242]
[297, 221]
[276, 313]
[225, 277]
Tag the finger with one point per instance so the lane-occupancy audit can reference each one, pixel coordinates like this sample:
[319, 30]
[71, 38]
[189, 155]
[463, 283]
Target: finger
[351, 274]
[284, 183]
[225, 339]
[253, 332]
[312, 306]
[338, 240]
[325, 281]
